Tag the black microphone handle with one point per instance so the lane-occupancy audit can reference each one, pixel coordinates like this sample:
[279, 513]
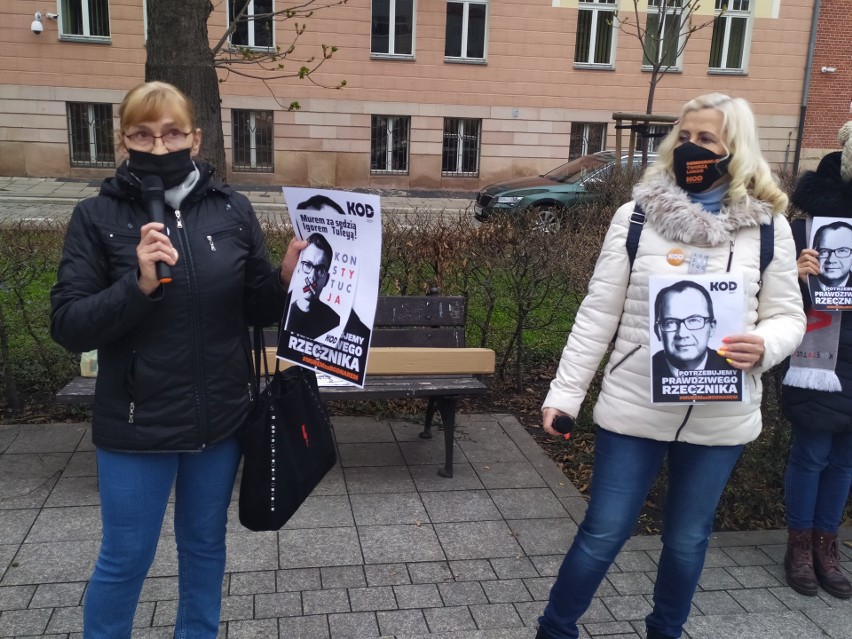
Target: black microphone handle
[563, 424]
[155, 206]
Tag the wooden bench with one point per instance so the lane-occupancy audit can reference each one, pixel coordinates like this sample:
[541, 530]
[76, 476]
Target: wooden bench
[417, 350]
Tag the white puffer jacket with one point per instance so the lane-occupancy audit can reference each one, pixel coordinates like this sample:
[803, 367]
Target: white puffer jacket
[618, 300]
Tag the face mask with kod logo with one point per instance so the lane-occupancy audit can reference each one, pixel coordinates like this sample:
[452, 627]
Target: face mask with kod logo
[172, 168]
[697, 168]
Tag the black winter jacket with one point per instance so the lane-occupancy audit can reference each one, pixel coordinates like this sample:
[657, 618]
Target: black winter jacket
[174, 368]
[823, 193]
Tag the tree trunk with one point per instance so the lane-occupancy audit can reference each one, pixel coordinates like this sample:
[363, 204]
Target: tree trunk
[179, 53]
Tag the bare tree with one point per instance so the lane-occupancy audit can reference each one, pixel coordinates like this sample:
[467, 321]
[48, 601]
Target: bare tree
[179, 52]
[663, 35]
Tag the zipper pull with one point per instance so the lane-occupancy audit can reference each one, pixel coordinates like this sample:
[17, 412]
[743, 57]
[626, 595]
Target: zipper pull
[132, 409]
[177, 216]
[210, 239]
[250, 392]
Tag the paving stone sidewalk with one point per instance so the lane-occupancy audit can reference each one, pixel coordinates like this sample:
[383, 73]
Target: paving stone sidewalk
[384, 548]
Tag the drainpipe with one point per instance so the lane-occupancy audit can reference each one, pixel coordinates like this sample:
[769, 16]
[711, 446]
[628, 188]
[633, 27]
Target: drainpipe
[803, 110]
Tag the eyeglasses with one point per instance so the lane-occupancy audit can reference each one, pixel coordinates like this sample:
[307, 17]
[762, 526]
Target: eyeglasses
[843, 252]
[319, 269]
[173, 139]
[692, 323]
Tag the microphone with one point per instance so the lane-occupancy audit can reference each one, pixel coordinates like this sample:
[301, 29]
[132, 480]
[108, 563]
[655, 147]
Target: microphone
[564, 425]
[153, 194]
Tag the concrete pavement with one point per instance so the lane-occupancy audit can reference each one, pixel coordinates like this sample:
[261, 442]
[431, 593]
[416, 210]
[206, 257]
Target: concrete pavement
[384, 548]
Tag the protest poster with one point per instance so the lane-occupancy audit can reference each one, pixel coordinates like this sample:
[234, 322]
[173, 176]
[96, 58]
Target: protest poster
[688, 317]
[831, 238]
[334, 289]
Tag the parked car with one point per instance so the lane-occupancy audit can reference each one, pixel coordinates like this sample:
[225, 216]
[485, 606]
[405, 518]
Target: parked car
[551, 195]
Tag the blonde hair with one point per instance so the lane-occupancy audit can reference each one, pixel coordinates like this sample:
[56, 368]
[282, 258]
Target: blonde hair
[148, 101]
[750, 173]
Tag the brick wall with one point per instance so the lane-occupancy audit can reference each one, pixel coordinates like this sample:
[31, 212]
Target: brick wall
[830, 93]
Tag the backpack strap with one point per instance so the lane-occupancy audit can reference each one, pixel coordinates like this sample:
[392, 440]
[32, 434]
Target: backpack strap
[637, 223]
[767, 244]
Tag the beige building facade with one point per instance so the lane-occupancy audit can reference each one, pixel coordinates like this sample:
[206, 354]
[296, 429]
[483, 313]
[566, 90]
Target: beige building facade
[449, 94]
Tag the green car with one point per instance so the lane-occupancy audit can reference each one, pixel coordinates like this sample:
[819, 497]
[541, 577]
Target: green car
[548, 196]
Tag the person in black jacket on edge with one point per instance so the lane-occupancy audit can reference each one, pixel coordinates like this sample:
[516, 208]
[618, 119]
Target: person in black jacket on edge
[175, 372]
[816, 396]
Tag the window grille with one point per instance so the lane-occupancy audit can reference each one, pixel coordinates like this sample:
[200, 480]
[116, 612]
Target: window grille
[389, 143]
[91, 139]
[252, 146]
[460, 156]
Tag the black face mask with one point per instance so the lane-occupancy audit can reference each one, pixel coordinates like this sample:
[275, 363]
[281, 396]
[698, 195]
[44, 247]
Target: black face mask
[696, 168]
[172, 168]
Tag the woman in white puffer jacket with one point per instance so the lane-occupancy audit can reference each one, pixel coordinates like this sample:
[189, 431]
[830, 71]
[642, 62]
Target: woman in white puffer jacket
[707, 196]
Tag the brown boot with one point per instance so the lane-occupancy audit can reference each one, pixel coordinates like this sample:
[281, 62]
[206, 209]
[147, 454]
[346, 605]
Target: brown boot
[827, 565]
[799, 563]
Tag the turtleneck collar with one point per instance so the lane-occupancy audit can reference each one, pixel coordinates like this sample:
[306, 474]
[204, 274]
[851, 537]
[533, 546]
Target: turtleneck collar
[711, 199]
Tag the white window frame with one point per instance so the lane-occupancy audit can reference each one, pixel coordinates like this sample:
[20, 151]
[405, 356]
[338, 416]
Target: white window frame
[462, 124]
[466, 29]
[391, 53]
[63, 10]
[92, 127]
[252, 166]
[394, 124]
[598, 9]
[734, 10]
[673, 9]
[583, 130]
[250, 30]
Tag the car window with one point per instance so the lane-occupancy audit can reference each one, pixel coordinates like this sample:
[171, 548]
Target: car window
[575, 170]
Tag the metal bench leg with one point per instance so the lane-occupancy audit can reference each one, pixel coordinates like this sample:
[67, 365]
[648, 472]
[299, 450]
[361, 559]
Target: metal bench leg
[430, 413]
[447, 406]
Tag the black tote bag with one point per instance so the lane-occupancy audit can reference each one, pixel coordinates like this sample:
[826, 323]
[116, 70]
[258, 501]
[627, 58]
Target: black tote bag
[288, 445]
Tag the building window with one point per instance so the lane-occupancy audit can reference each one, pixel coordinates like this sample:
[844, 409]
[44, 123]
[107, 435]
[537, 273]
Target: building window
[731, 34]
[586, 138]
[398, 39]
[90, 134]
[663, 33]
[465, 39]
[252, 144]
[256, 28]
[389, 144]
[595, 32]
[460, 154]
[655, 133]
[85, 18]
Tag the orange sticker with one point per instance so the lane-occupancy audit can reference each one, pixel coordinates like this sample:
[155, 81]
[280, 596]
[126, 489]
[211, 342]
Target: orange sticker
[675, 256]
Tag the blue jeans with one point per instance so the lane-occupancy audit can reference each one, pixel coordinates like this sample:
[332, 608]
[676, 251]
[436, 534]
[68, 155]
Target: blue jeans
[816, 484]
[624, 470]
[134, 489]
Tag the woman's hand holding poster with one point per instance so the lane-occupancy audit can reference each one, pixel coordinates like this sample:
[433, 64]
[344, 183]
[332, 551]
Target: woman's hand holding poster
[831, 238]
[689, 316]
[335, 286]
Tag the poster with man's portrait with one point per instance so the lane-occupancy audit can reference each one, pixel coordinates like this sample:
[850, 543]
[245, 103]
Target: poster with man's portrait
[689, 316]
[334, 289]
[831, 238]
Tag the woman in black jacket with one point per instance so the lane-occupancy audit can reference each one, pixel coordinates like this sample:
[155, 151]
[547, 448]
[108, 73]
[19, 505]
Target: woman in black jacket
[174, 358]
[817, 392]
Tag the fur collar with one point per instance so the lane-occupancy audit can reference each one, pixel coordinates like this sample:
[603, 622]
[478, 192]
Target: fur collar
[677, 218]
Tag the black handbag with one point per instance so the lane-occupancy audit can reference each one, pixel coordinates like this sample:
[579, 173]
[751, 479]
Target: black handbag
[288, 444]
